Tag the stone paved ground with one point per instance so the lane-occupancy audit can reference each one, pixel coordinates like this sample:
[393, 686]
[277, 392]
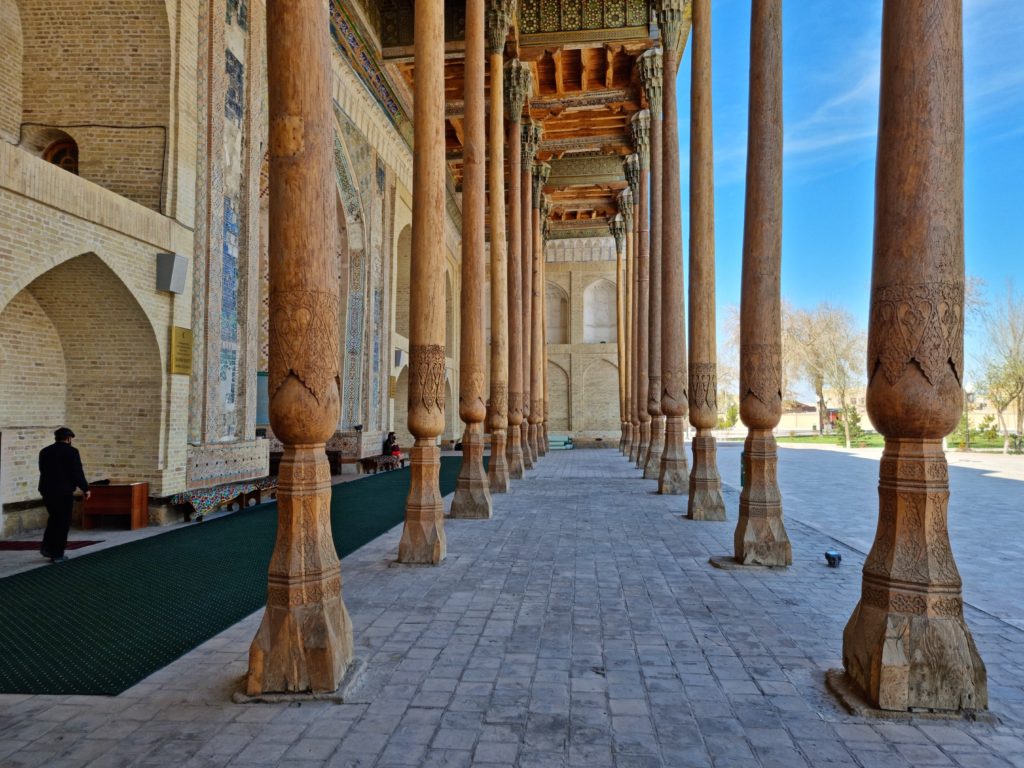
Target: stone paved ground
[582, 627]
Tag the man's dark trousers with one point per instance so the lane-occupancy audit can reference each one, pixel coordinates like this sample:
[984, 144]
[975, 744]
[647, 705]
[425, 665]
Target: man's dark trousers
[56, 536]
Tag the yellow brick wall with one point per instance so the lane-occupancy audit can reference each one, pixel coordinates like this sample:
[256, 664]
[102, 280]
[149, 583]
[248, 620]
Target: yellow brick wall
[100, 314]
[10, 70]
[583, 379]
[101, 71]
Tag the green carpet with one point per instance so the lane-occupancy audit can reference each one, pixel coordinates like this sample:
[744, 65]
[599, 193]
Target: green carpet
[102, 622]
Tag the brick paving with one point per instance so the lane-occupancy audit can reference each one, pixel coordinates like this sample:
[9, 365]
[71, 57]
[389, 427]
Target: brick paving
[582, 626]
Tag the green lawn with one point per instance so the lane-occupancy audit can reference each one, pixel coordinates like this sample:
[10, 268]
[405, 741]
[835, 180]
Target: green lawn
[865, 441]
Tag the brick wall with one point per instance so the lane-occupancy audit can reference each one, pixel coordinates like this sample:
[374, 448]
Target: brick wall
[583, 378]
[109, 91]
[10, 70]
[77, 292]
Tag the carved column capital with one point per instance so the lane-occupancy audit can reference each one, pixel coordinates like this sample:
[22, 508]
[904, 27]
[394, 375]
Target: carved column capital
[531, 134]
[626, 208]
[631, 166]
[499, 19]
[541, 173]
[649, 65]
[617, 226]
[545, 210]
[640, 128]
[673, 18]
[518, 83]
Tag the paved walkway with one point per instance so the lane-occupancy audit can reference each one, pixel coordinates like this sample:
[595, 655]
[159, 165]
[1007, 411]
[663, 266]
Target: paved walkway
[582, 626]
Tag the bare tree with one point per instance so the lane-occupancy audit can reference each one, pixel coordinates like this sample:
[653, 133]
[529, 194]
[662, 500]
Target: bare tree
[829, 350]
[729, 351]
[1003, 361]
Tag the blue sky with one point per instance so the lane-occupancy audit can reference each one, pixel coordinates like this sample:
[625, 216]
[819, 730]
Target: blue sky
[831, 51]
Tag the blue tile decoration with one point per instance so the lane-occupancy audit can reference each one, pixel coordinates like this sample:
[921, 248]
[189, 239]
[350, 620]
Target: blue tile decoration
[239, 11]
[234, 103]
[229, 305]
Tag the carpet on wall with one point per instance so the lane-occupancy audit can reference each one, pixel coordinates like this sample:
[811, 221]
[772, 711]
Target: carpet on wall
[102, 622]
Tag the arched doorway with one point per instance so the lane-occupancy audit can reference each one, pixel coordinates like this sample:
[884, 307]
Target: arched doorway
[599, 411]
[558, 398]
[400, 426]
[558, 314]
[78, 349]
[402, 280]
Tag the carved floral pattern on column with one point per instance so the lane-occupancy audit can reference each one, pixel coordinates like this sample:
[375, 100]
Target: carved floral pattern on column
[761, 372]
[703, 387]
[921, 323]
[674, 390]
[426, 376]
[499, 400]
[649, 65]
[303, 326]
[498, 18]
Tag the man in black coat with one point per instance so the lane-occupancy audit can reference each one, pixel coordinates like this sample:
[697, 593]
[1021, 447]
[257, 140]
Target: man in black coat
[60, 472]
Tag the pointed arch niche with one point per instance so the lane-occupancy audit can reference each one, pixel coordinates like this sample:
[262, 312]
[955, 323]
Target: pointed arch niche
[599, 322]
[558, 314]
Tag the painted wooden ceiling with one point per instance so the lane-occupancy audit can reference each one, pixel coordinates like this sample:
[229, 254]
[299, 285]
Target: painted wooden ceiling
[582, 56]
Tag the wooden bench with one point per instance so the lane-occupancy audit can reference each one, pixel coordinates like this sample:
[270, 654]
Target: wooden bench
[129, 500]
[383, 463]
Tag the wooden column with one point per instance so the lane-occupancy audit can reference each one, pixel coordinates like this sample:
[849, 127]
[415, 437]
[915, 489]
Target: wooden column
[531, 140]
[760, 537]
[539, 177]
[499, 14]
[304, 642]
[907, 645]
[673, 476]
[641, 129]
[472, 495]
[631, 166]
[423, 533]
[517, 80]
[705, 500]
[626, 210]
[545, 210]
[650, 66]
[617, 227]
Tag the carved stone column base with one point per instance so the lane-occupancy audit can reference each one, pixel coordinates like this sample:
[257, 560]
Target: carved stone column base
[760, 537]
[634, 444]
[472, 500]
[627, 438]
[304, 642]
[907, 645]
[531, 437]
[674, 473]
[705, 501]
[528, 457]
[514, 452]
[542, 439]
[652, 463]
[497, 467]
[423, 539]
[644, 446]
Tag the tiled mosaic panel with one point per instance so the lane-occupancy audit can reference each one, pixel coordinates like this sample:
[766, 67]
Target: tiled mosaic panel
[536, 16]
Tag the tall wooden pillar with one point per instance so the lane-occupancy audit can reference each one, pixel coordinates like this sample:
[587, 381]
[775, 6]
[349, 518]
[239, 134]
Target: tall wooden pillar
[650, 66]
[472, 495]
[760, 537]
[423, 534]
[617, 226]
[531, 140]
[705, 500]
[673, 476]
[631, 167]
[539, 177]
[626, 210]
[907, 645]
[545, 222]
[641, 129]
[304, 642]
[517, 80]
[499, 15]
